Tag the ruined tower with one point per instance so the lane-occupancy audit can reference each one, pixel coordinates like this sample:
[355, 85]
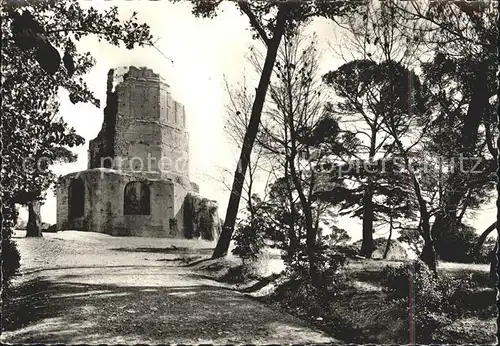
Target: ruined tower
[144, 128]
[137, 181]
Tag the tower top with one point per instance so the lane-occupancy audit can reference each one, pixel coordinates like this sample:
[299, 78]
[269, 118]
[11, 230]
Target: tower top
[132, 73]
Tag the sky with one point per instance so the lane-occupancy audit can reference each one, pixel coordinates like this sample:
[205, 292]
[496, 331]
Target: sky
[203, 52]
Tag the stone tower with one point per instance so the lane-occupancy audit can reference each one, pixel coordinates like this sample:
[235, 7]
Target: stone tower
[137, 181]
[144, 128]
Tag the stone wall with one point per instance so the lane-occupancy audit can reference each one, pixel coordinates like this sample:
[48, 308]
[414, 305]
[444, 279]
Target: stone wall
[104, 204]
[150, 126]
[201, 218]
[103, 145]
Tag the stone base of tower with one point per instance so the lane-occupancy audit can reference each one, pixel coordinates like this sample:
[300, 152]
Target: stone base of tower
[133, 204]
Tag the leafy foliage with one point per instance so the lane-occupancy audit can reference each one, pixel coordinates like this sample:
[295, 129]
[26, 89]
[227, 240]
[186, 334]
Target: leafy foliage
[249, 237]
[33, 133]
[431, 302]
[297, 294]
[270, 22]
[10, 254]
[262, 16]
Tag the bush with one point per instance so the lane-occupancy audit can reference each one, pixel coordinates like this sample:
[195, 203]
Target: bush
[249, 246]
[297, 294]
[454, 292]
[414, 284]
[413, 277]
[485, 254]
[431, 302]
[249, 242]
[10, 263]
[457, 246]
[234, 275]
[10, 254]
[301, 298]
[349, 251]
[328, 261]
[21, 225]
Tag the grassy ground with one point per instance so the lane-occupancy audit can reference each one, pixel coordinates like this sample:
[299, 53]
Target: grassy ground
[79, 287]
[363, 312]
[370, 316]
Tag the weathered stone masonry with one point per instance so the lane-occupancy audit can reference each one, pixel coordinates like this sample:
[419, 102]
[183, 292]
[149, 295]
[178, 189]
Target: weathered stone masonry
[137, 181]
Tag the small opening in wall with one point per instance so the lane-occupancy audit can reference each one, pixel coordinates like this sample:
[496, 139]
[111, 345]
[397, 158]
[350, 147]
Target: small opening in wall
[172, 224]
[76, 198]
[137, 199]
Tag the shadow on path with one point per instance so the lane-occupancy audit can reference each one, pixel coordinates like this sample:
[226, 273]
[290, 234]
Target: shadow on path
[42, 311]
[168, 250]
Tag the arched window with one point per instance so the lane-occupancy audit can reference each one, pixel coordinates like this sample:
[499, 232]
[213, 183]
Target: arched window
[136, 199]
[76, 198]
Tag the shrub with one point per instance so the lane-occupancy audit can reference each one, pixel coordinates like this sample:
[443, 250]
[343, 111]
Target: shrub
[431, 301]
[301, 298]
[417, 288]
[349, 251]
[10, 263]
[249, 245]
[328, 261]
[456, 246]
[485, 254]
[234, 275]
[10, 254]
[248, 242]
[297, 294]
[412, 277]
[455, 293]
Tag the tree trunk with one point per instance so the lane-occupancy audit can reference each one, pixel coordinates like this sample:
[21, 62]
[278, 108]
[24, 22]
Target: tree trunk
[294, 238]
[482, 239]
[447, 220]
[388, 245]
[311, 231]
[34, 226]
[428, 256]
[250, 135]
[493, 266]
[367, 242]
[311, 251]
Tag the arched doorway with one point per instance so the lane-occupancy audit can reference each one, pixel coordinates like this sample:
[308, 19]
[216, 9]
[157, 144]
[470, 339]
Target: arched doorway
[76, 199]
[136, 199]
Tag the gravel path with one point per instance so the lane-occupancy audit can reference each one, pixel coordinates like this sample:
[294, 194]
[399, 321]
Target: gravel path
[82, 287]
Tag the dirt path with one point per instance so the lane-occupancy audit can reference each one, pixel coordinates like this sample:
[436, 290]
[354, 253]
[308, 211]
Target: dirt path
[92, 288]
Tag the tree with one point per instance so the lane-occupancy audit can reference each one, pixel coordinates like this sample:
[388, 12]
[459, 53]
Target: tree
[464, 73]
[269, 21]
[300, 133]
[38, 178]
[372, 39]
[31, 130]
[455, 191]
[358, 85]
[464, 37]
[238, 116]
[482, 239]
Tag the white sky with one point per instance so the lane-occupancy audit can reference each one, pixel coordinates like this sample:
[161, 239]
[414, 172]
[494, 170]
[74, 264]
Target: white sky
[203, 51]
